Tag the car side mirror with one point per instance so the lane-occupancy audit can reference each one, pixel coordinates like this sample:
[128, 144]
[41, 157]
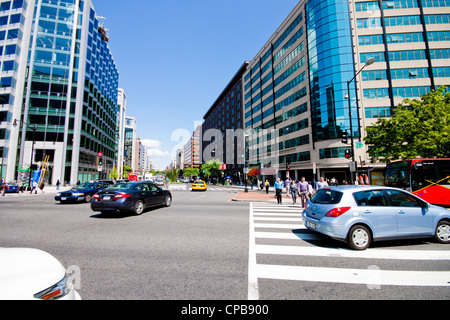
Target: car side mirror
[424, 205]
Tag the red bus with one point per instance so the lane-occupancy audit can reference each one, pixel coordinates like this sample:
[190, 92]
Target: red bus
[428, 179]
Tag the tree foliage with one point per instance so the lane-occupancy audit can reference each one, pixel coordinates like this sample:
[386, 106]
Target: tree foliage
[191, 172]
[418, 128]
[211, 169]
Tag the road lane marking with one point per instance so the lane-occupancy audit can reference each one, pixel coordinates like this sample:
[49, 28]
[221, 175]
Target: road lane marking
[348, 253]
[253, 290]
[280, 226]
[355, 276]
[290, 221]
[288, 235]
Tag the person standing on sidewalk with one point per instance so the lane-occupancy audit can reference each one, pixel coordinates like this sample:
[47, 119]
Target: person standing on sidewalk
[267, 185]
[278, 190]
[303, 190]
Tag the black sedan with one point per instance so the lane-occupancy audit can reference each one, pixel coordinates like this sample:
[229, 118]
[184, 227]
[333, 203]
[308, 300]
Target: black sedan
[82, 192]
[131, 196]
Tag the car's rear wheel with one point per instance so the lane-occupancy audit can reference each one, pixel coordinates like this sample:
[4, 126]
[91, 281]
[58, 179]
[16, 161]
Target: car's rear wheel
[168, 201]
[359, 238]
[442, 233]
[139, 207]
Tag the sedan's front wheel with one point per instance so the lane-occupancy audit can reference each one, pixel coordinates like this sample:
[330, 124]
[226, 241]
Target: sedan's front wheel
[443, 232]
[359, 238]
[139, 207]
[168, 201]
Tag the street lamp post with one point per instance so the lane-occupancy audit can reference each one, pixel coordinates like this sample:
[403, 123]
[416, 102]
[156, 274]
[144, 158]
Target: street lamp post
[347, 96]
[34, 128]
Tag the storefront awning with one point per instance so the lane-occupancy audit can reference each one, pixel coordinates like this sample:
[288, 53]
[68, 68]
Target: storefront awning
[253, 172]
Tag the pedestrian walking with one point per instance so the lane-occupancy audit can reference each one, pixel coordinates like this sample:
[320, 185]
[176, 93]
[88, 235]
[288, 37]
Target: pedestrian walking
[41, 186]
[3, 187]
[322, 183]
[267, 185]
[278, 190]
[294, 191]
[34, 187]
[20, 186]
[288, 184]
[57, 184]
[303, 188]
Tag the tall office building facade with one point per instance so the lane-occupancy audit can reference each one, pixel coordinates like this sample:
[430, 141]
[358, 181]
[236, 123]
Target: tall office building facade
[297, 87]
[225, 119]
[63, 92]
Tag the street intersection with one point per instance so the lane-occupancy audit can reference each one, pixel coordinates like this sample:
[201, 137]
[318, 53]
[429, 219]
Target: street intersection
[207, 246]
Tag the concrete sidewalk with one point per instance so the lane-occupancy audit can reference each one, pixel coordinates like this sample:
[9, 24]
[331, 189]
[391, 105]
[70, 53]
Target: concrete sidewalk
[261, 196]
[47, 190]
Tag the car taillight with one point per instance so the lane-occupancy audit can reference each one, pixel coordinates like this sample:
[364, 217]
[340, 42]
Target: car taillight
[122, 196]
[336, 212]
[96, 196]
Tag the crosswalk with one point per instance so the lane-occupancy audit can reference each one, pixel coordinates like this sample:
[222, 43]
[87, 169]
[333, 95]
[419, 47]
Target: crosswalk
[279, 231]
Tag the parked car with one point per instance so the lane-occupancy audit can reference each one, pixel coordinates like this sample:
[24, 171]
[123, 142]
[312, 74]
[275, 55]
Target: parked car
[12, 188]
[131, 196]
[362, 214]
[199, 185]
[82, 192]
[159, 182]
[30, 274]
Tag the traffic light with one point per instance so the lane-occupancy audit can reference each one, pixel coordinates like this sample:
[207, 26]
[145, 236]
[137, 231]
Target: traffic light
[348, 154]
[344, 136]
[100, 161]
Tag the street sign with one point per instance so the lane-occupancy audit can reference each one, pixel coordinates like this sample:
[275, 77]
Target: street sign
[100, 154]
[100, 168]
[352, 166]
[359, 145]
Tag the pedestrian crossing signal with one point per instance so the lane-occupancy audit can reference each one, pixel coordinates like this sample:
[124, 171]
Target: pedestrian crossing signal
[348, 153]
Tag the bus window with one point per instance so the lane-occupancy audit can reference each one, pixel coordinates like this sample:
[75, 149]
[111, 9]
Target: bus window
[397, 174]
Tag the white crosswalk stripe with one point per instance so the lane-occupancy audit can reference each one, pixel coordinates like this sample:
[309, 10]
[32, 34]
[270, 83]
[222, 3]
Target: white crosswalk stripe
[284, 222]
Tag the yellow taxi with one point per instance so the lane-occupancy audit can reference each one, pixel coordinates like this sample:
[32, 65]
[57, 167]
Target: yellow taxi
[199, 185]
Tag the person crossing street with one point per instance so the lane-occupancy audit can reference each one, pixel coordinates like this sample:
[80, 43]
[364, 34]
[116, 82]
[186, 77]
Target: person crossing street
[278, 190]
[303, 188]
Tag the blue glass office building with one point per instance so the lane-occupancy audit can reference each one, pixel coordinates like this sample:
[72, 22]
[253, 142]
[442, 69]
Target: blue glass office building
[68, 93]
[297, 83]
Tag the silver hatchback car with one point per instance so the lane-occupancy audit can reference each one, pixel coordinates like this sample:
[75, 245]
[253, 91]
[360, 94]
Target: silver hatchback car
[359, 215]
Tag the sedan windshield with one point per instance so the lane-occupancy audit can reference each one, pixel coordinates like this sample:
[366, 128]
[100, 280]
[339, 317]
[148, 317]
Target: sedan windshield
[87, 185]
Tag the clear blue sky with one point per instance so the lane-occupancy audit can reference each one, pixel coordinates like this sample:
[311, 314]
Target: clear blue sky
[176, 56]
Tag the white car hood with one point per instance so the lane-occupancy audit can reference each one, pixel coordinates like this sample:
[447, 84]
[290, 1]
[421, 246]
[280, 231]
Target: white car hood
[25, 272]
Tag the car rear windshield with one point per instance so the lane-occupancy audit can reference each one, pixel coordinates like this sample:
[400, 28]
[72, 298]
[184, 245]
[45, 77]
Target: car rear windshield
[327, 196]
[121, 186]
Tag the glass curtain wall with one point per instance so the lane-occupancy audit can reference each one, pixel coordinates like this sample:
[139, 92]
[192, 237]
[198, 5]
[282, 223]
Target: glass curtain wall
[330, 66]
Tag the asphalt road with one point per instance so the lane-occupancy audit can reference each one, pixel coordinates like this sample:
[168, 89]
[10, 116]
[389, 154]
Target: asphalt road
[206, 247]
[196, 249]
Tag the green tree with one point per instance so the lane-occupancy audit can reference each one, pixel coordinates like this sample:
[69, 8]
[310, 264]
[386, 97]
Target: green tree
[127, 170]
[211, 169]
[188, 172]
[114, 174]
[418, 128]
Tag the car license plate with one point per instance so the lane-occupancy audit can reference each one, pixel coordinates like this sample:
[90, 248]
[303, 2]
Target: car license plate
[63, 199]
[106, 198]
[311, 225]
